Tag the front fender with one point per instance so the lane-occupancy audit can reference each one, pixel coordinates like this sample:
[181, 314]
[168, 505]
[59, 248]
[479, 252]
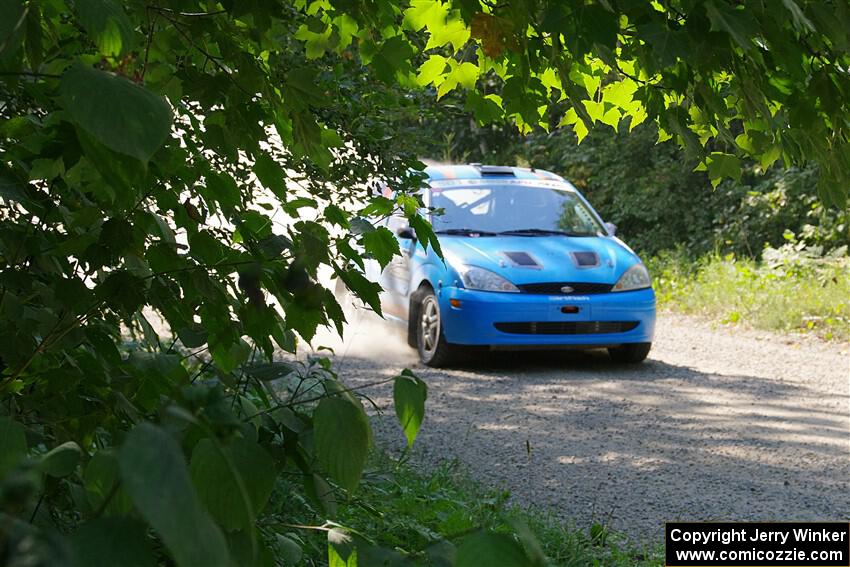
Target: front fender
[427, 270]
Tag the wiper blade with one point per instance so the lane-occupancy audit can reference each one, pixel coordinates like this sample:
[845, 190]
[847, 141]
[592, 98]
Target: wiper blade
[544, 232]
[465, 232]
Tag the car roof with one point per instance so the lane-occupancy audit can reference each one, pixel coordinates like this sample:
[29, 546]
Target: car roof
[479, 171]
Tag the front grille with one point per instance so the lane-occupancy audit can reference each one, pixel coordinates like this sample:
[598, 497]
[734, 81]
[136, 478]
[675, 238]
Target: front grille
[554, 288]
[567, 327]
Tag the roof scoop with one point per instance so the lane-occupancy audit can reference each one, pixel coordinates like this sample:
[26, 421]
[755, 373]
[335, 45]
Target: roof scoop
[497, 170]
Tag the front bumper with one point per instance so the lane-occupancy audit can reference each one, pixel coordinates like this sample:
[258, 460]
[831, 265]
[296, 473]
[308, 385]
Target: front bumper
[593, 322]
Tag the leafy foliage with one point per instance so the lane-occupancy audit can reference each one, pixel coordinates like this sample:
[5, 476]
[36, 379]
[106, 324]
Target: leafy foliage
[176, 176]
[430, 515]
[794, 289]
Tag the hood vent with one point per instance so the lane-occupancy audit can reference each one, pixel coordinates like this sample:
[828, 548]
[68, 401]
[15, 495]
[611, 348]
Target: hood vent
[522, 259]
[585, 259]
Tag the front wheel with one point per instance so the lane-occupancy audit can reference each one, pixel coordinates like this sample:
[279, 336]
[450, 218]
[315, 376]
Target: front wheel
[432, 346]
[630, 353]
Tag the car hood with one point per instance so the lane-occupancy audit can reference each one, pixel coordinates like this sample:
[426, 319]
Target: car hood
[596, 259]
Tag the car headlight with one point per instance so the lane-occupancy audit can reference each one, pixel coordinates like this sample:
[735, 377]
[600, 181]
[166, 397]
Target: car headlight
[484, 280]
[636, 277]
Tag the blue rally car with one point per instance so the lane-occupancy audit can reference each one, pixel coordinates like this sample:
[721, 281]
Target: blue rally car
[527, 263]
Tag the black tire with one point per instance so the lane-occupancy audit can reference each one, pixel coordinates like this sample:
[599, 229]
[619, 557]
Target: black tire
[630, 353]
[433, 349]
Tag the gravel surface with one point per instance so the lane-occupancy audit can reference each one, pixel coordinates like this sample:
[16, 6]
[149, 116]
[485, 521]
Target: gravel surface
[719, 424]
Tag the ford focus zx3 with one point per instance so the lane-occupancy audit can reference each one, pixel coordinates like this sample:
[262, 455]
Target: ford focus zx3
[527, 262]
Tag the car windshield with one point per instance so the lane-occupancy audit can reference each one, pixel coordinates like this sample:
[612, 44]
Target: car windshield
[522, 210]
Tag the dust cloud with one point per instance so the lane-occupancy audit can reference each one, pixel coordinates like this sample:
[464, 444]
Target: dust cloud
[367, 336]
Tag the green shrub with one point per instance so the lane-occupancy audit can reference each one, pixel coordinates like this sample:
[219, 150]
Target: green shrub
[424, 515]
[792, 289]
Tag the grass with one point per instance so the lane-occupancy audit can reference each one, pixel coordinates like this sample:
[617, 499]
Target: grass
[416, 513]
[789, 291]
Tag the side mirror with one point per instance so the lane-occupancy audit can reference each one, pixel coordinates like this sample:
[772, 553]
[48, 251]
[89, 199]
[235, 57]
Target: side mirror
[611, 228]
[406, 232]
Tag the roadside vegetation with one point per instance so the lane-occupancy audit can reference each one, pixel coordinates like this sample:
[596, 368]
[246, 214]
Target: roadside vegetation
[787, 291]
[424, 514]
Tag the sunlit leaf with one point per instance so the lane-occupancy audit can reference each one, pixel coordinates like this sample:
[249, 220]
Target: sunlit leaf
[107, 24]
[409, 394]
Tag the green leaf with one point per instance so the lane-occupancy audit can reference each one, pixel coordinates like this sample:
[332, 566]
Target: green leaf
[302, 89]
[432, 70]
[120, 171]
[100, 479]
[337, 216]
[270, 371]
[62, 460]
[320, 491]
[425, 234]
[193, 336]
[409, 394]
[34, 40]
[462, 74]
[485, 108]
[381, 244]
[721, 166]
[12, 23]
[123, 116]
[668, 46]
[488, 548]
[425, 13]
[801, 22]
[393, 58]
[107, 24]
[342, 439]
[13, 444]
[359, 225]
[271, 175]
[366, 290]
[122, 290]
[249, 550]
[107, 542]
[222, 189]
[154, 474]
[229, 354]
[307, 135]
[594, 109]
[233, 482]
[737, 22]
[316, 43]
[611, 118]
[288, 549]
[454, 31]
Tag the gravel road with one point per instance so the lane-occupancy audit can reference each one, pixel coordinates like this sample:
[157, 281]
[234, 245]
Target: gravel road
[720, 423]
